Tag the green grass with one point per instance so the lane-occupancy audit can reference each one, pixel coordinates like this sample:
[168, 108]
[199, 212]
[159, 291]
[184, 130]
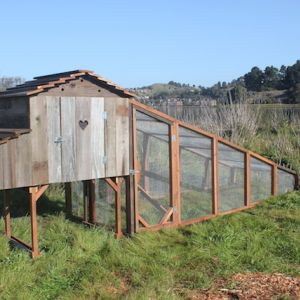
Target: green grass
[88, 263]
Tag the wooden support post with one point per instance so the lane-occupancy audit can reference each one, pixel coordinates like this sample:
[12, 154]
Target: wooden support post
[174, 172]
[274, 180]
[33, 219]
[92, 202]
[7, 214]
[68, 196]
[247, 179]
[85, 201]
[133, 177]
[34, 195]
[118, 212]
[215, 175]
[129, 208]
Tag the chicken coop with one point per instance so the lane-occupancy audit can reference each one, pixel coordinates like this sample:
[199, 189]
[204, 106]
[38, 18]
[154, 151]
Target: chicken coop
[122, 163]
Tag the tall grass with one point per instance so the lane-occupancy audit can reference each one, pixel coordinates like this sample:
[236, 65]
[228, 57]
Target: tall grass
[77, 262]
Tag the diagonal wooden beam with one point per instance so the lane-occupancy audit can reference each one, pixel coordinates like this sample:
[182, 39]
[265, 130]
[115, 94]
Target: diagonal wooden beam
[151, 200]
[112, 184]
[143, 222]
[41, 191]
[167, 216]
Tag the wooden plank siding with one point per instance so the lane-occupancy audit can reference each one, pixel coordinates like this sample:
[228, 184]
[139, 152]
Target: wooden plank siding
[58, 150]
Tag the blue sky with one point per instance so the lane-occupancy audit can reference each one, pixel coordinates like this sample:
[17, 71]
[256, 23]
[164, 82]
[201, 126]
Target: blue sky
[136, 43]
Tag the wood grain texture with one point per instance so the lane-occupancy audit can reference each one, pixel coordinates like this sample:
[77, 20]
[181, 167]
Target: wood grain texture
[39, 145]
[68, 129]
[97, 138]
[54, 133]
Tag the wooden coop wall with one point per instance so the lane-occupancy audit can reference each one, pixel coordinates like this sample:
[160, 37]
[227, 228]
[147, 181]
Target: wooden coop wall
[72, 138]
[185, 175]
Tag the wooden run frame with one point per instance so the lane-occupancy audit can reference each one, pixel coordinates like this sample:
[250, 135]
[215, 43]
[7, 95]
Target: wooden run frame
[34, 195]
[89, 202]
[172, 217]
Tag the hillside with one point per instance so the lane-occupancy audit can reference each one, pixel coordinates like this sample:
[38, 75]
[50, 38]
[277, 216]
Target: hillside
[271, 85]
[230, 256]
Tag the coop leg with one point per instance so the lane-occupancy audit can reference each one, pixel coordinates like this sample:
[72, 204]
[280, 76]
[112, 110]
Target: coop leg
[118, 202]
[68, 195]
[34, 195]
[92, 202]
[7, 213]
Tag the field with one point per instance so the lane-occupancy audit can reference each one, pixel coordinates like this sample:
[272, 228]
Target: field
[78, 262]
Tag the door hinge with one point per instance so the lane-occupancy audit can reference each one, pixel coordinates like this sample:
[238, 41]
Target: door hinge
[173, 138]
[133, 172]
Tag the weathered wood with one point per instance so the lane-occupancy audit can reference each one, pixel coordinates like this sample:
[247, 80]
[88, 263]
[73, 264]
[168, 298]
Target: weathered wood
[80, 87]
[110, 139]
[68, 135]
[38, 120]
[97, 138]
[122, 136]
[53, 141]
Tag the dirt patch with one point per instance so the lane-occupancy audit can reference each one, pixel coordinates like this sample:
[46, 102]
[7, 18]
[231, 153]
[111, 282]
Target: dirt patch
[251, 286]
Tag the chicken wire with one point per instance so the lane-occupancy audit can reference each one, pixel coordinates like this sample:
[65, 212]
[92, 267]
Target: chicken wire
[153, 155]
[261, 180]
[231, 178]
[286, 182]
[195, 174]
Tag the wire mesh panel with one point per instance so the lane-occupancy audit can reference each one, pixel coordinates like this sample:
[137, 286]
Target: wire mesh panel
[231, 170]
[261, 180]
[105, 204]
[286, 182]
[154, 159]
[77, 199]
[195, 174]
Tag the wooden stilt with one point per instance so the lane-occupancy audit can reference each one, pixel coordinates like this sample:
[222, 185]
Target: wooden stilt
[7, 213]
[92, 202]
[34, 195]
[129, 208]
[118, 212]
[68, 196]
[85, 201]
[33, 219]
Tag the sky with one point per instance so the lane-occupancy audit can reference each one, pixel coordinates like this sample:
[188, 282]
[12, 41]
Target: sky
[137, 43]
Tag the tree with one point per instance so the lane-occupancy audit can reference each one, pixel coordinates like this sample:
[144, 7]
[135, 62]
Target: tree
[254, 79]
[271, 78]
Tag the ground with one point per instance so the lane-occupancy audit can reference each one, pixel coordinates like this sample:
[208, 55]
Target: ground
[255, 253]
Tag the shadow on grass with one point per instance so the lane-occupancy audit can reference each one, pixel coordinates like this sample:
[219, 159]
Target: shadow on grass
[50, 203]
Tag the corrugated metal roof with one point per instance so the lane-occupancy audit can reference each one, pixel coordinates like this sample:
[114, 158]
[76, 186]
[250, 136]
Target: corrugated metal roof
[43, 83]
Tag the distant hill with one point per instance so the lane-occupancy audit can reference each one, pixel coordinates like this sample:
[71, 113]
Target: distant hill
[271, 85]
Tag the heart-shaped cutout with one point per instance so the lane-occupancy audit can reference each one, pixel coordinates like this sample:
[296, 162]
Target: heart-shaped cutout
[83, 124]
